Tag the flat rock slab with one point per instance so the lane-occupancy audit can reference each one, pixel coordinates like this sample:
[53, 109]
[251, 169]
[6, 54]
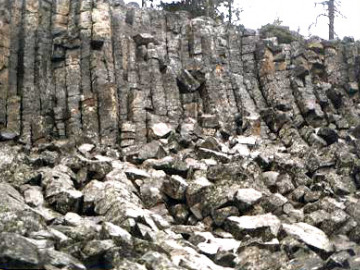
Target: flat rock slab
[310, 235]
[161, 130]
[8, 136]
[17, 252]
[266, 226]
[10, 199]
[247, 196]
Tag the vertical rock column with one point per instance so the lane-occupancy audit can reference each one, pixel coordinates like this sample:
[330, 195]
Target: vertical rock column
[252, 123]
[31, 122]
[156, 54]
[88, 99]
[121, 44]
[43, 65]
[276, 89]
[13, 97]
[248, 112]
[175, 23]
[103, 73]
[138, 96]
[4, 59]
[120, 49]
[61, 9]
[223, 70]
[73, 71]
[218, 95]
[192, 102]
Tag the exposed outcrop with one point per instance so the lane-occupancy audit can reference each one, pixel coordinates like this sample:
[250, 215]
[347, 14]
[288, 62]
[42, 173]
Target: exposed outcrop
[139, 139]
[101, 70]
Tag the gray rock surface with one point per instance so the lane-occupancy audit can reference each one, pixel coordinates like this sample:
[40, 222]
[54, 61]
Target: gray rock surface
[139, 139]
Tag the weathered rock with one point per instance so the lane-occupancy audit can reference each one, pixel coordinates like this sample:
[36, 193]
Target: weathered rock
[62, 260]
[8, 136]
[33, 196]
[309, 235]
[93, 253]
[92, 192]
[22, 222]
[11, 200]
[256, 258]
[328, 134]
[172, 166]
[150, 150]
[133, 174]
[175, 187]
[247, 197]
[187, 81]
[276, 126]
[266, 226]
[60, 191]
[160, 130]
[17, 252]
[116, 233]
[144, 39]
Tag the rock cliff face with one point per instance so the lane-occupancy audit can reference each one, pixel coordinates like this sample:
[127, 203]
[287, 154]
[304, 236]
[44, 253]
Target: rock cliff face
[104, 71]
[138, 139]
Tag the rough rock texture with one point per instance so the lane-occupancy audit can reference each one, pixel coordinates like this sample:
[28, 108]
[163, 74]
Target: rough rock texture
[116, 74]
[138, 139]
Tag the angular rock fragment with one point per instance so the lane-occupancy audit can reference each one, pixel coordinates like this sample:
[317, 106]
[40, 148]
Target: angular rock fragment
[134, 173]
[10, 199]
[33, 196]
[116, 233]
[160, 130]
[62, 260]
[60, 191]
[92, 192]
[144, 39]
[328, 134]
[17, 252]
[247, 197]
[94, 251]
[175, 187]
[309, 235]
[266, 226]
[187, 82]
[8, 136]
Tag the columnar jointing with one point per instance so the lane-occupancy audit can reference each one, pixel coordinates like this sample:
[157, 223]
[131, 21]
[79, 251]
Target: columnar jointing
[107, 72]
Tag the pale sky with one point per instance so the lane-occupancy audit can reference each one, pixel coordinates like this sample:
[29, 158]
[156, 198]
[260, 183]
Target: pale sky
[298, 14]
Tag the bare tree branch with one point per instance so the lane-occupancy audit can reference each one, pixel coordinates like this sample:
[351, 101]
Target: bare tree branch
[316, 20]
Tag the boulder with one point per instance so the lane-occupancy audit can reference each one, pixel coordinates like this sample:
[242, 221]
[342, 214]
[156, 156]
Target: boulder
[10, 199]
[266, 226]
[160, 130]
[175, 187]
[247, 197]
[18, 252]
[328, 134]
[310, 235]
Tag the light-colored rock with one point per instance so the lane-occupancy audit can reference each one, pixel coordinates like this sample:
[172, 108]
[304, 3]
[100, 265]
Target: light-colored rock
[247, 197]
[266, 225]
[134, 173]
[175, 187]
[310, 235]
[86, 148]
[161, 130]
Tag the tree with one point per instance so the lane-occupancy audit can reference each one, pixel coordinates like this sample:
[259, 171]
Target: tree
[209, 8]
[143, 2]
[194, 7]
[331, 11]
